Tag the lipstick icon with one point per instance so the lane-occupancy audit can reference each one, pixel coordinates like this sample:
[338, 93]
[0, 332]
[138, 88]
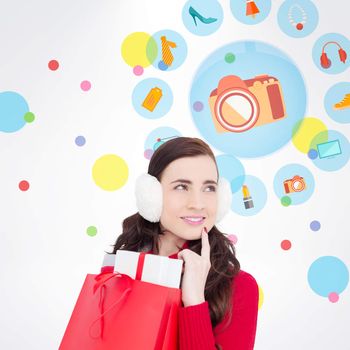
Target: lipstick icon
[247, 199]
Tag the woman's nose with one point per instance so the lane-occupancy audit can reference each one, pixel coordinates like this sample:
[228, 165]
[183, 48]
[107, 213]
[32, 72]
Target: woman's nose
[195, 200]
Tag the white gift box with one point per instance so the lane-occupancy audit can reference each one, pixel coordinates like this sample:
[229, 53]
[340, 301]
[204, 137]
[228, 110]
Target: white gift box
[157, 269]
[108, 260]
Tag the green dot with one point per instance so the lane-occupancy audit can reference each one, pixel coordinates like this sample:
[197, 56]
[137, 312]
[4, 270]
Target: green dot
[286, 201]
[29, 117]
[91, 231]
[230, 57]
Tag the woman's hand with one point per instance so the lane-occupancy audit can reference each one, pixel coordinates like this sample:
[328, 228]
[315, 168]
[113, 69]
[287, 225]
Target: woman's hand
[196, 269]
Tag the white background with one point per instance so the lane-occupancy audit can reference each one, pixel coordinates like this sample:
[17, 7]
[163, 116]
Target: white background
[45, 252]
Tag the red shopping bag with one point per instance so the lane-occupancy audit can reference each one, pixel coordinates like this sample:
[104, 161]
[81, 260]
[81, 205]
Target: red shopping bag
[114, 311]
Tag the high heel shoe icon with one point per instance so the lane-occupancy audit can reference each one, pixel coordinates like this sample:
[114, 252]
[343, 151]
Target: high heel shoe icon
[204, 20]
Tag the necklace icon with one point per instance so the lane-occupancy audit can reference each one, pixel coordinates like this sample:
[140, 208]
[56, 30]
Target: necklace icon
[298, 25]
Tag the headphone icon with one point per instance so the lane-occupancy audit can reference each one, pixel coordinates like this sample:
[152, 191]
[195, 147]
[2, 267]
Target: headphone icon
[325, 61]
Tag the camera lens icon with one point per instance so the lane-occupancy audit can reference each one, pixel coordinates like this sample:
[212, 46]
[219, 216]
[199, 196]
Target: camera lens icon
[237, 110]
[238, 105]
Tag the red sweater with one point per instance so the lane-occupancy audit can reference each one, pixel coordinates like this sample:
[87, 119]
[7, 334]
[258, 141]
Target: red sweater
[196, 332]
[195, 329]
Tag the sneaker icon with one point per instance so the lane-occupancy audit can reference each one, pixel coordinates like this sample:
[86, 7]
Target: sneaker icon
[344, 103]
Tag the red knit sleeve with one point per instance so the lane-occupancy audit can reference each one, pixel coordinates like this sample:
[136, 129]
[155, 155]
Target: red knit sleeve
[195, 330]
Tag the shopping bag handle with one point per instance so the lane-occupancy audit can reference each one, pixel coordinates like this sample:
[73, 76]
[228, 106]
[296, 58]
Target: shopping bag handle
[101, 279]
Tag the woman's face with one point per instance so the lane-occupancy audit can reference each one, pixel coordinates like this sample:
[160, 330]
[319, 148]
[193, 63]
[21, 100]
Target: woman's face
[189, 189]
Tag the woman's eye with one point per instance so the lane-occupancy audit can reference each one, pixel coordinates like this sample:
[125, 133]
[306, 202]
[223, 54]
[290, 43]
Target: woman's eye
[213, 189]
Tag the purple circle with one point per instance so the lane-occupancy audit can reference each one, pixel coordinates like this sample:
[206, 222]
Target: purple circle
[312, 154]
[138, 70]
[148, 153]
[162, 65]
[80, 140]
[198, 106]
[315, 225]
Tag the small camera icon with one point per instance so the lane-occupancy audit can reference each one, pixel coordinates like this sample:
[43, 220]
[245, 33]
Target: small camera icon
[295, 184]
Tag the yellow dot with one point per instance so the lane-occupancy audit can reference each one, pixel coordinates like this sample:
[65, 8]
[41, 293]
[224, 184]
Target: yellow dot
[261, 298]
[110, 172]
[304, 132]
[139, 49]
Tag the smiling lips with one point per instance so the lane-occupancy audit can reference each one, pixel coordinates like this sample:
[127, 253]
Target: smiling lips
[193, 220]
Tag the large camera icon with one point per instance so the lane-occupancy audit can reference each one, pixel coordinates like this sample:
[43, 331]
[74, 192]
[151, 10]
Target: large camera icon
[238, 105]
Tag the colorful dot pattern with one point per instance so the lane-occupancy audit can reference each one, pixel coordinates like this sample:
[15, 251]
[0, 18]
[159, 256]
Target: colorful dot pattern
[151, 65]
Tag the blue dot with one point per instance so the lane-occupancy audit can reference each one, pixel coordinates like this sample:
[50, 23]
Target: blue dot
[162, 65]
[328, 274]
[312, 154]
[315, 225]
[80, 141]
[13, 108]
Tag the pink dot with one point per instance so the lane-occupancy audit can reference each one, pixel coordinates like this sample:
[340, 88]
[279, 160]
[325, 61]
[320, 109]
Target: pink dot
[333, 297]
[85, 85]
[53, 65]
[233, 238]
[148, 153]
[23, 185]
[138, 70]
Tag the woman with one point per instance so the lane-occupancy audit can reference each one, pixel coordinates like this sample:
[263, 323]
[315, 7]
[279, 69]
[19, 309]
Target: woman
[178, 200]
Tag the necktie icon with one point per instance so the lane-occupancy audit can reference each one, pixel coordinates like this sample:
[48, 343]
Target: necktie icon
[167, 56]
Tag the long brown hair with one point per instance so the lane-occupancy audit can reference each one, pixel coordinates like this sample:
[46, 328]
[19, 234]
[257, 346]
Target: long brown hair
[139, 233]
